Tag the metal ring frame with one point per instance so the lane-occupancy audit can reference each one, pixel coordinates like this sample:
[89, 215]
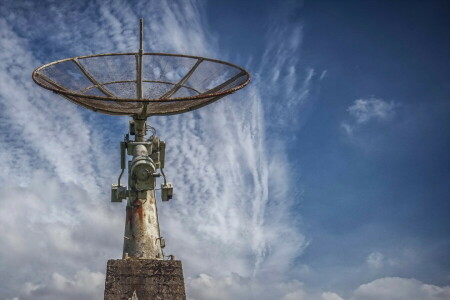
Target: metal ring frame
[37, 76]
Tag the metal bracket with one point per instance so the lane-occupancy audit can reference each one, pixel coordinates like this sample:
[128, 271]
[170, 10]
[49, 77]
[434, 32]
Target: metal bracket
[118, 193]
[166, 191]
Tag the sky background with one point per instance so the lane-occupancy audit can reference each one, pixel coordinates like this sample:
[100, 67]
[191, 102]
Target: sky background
[327, 178]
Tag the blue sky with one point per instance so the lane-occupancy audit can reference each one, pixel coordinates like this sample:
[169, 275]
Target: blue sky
[327, 178]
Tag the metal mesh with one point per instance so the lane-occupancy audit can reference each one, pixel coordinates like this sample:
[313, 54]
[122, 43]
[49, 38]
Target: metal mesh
[171, 84]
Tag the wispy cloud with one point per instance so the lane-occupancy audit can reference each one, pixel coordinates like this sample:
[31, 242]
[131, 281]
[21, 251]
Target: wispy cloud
[377, 260]
[84, 285]
[50, 187]
[287, 85]
[365, 110]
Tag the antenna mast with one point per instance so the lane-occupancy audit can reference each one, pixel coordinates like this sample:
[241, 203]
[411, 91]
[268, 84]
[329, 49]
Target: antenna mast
[139, 63]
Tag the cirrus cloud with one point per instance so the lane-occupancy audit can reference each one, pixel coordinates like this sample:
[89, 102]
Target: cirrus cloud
[364, 110]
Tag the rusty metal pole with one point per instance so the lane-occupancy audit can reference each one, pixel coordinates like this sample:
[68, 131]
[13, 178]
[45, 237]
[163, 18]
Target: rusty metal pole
[142, 234]
[142, 237]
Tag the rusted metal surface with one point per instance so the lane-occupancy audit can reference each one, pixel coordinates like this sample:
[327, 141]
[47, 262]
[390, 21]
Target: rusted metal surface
[142, 234]
[142, 237]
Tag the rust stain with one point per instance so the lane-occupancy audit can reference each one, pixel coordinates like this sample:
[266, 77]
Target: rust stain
[140, 212]
[139, 209]
[136, 208]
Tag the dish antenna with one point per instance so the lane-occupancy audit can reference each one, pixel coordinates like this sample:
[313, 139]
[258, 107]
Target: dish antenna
[140, 85]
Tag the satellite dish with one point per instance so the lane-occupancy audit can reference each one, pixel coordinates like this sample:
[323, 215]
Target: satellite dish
[141, 85]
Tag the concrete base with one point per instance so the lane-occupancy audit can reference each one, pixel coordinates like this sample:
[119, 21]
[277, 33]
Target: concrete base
[145, 278]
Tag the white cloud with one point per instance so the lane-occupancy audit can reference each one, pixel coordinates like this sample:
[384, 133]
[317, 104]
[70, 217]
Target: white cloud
[227, 287]
[331, 296]
[233, 286]
[347, 128]
[364, 110]
[323, 74]
[286, 83]
[375, 260]
[395, 288]
[84, 284]
[292, 290]
[378, 261]
[51, 212]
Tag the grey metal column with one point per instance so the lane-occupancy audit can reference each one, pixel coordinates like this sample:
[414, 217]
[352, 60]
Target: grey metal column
[142, 237]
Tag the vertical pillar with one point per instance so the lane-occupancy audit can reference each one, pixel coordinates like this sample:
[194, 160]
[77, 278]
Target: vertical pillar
[142, 237]
[143, 273]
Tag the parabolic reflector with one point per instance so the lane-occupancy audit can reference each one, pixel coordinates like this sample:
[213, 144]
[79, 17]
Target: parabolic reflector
[166, 84]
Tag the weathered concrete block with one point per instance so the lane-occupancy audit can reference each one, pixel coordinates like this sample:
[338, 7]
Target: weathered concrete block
[147, 279]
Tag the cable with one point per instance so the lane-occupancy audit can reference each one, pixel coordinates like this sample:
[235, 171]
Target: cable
[152, 129]
[120, 176]
[164, 176]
